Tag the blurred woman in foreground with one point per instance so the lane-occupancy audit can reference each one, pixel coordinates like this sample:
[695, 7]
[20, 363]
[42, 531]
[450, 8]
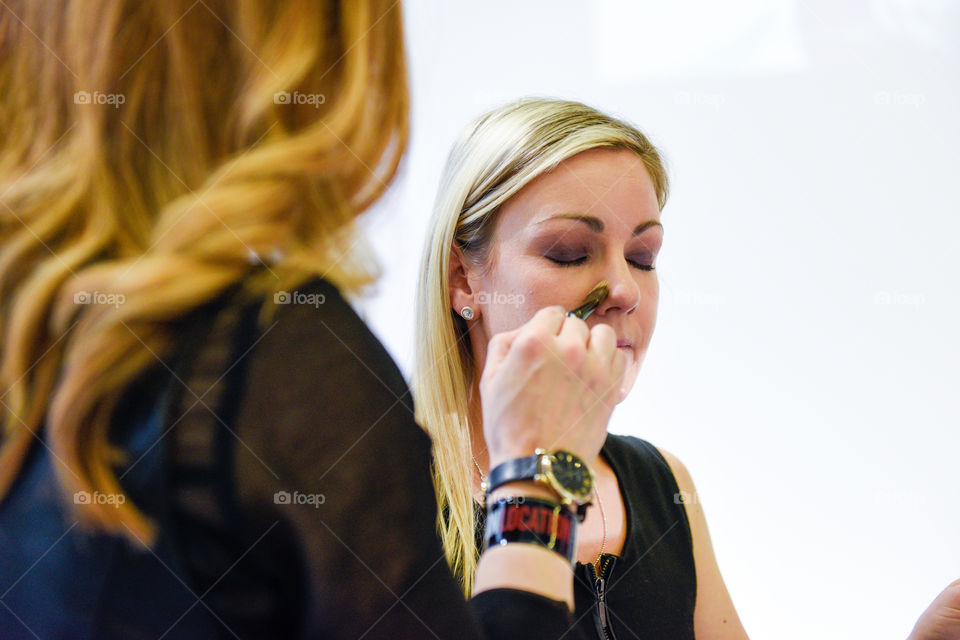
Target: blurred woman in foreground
[200, 438]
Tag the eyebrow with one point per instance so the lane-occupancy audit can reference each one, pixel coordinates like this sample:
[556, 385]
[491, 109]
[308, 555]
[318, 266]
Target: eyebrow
[596, 224]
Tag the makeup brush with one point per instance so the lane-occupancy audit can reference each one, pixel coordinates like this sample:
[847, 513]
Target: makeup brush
[597, 295]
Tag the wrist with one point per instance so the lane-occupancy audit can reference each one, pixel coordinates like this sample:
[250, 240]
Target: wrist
[561, 473]
[496, 458]
[533, 521]
[524, 488]
[526, 567]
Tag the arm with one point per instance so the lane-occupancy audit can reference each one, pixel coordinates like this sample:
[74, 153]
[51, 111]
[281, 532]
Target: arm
[941, 620]
[715, 617]
[325, 412]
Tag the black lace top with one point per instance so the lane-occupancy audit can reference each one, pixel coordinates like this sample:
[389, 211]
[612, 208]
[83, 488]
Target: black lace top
[327, 488]
[292, 491]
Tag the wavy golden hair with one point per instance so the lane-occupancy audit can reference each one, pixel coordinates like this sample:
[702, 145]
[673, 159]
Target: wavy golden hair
[496, 155]
[153, 154]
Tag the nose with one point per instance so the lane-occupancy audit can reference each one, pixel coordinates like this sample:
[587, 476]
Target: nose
[624, 290]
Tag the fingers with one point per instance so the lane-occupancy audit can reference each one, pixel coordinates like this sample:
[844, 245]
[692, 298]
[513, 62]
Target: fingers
[603, 348]
[545, 322]
[525, 341]
[538, 335]
[548, 320]
[572, 342]
[603, 341]
[578, 346]
[553, 380]
[604, 352]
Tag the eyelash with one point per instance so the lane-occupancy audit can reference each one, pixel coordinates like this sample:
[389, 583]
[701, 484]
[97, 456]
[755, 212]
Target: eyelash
[578, 261]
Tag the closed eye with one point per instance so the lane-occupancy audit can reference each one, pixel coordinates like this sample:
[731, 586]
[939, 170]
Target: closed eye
[578, 261]
[645, 267]
[564, 262]
[572, 262]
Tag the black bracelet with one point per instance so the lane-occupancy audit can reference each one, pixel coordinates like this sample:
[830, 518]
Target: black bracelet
[533, 521]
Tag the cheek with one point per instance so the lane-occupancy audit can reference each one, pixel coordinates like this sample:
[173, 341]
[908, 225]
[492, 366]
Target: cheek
[515, 295]
[646, 313]
[650, 293]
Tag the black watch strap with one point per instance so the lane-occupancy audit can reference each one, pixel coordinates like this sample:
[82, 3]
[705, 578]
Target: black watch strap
[516, 469]
[525, 469]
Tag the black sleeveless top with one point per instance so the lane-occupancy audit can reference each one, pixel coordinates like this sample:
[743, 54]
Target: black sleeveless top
[648, 591]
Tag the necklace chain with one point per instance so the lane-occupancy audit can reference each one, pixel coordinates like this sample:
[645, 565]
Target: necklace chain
[603, 540]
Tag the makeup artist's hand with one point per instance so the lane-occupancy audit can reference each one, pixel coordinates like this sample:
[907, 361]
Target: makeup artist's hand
[941, 620]
[551, 383]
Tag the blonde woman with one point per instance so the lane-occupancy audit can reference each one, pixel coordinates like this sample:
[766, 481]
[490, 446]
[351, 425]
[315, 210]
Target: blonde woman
[200, 438]
[540, 200]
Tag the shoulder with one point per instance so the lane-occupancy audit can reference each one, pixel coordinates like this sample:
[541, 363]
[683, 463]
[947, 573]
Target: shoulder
[650, 476]
[313, 336]
[715, 615]
[317, 311]
[657, 457]
[686, 494]
[320, 391]
[636, 450]
[680, 471]
[687, 491]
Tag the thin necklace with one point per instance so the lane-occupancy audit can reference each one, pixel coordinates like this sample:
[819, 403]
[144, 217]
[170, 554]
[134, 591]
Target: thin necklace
[603, 540]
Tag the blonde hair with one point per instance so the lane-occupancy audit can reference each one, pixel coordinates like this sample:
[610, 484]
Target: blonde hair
[494, 158]
[159, 152]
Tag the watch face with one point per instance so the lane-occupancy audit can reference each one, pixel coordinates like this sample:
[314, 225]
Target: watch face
[572, 474]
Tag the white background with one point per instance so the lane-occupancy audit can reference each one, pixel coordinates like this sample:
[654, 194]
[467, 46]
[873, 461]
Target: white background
[805, 361]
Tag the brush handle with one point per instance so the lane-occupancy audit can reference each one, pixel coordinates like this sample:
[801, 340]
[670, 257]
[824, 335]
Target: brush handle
[584, 311]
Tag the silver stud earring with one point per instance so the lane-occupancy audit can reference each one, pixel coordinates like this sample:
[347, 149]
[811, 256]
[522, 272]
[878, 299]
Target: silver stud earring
[467, 313]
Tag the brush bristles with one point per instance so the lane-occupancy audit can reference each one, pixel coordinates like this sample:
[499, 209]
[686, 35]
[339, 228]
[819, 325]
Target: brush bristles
[597, 295]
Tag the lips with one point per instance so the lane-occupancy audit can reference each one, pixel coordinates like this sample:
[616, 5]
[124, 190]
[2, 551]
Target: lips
[624, 344]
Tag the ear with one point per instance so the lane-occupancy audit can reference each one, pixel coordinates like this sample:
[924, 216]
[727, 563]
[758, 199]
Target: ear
[461, 293]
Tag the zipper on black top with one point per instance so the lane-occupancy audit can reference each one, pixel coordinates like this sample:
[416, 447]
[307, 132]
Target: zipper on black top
[601, 616]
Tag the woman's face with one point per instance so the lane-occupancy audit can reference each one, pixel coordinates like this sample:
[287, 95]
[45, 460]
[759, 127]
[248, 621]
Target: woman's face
[595, 217]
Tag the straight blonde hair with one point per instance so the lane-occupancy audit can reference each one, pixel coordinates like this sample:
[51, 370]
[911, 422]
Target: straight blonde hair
[493, 159]
[155, 153]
